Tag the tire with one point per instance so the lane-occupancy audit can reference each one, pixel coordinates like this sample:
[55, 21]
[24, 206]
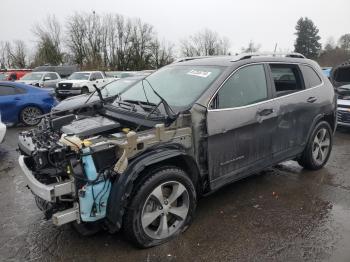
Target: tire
[84, 90]
[318, 148]
[28, 115]
[147, 230]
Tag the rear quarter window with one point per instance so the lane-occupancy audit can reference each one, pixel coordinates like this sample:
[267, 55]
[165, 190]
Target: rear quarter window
[311, 78]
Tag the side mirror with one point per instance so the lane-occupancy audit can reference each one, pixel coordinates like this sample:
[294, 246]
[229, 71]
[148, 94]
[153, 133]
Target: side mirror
[47, 78]
[92, 79]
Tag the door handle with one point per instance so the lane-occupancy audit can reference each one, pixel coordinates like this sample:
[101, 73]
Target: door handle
[265, 112]
[311, 99]
[17, 98]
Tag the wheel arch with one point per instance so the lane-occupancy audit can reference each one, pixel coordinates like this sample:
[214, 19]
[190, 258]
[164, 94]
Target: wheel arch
[330, 118]
[122, 190]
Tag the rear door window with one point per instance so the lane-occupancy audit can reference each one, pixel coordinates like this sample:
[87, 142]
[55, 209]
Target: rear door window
[7, 90]
[287, 78]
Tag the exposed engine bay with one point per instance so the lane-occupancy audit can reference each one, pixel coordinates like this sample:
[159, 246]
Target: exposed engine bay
[71, 162]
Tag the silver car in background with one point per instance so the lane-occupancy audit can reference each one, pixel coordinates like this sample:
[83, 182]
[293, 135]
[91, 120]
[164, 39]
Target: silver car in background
[41, 79]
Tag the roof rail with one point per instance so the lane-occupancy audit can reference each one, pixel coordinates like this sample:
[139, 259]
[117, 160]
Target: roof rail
[189, 58]
[251, 55]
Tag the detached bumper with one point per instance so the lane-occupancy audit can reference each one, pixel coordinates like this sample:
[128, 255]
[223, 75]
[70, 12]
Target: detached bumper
[46, 192]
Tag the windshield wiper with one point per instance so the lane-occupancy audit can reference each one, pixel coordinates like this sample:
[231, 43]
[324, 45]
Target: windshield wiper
[147, 106]
[169, 111]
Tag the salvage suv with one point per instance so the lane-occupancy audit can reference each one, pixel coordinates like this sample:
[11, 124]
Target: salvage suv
[142, 162]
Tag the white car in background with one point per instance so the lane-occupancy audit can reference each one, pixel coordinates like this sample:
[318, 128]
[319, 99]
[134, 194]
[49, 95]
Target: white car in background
[81, 83]
[2, 130]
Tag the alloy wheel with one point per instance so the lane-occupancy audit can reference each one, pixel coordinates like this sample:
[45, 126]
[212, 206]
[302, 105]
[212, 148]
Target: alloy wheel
[29, 115]
[321, 145]
[165, 210]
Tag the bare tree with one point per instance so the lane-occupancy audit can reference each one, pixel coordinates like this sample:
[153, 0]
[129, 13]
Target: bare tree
[344, 42]
[4, 54]
[48, 36]
[17, 54]
[161, 54]
[251, 48]
[204, 43]
[330, 44]
[76, 38]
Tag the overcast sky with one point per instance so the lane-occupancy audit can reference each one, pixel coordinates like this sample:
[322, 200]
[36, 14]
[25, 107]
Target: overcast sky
[263, 21]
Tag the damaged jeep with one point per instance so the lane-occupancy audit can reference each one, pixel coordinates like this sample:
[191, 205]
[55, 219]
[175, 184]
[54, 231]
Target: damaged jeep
[141, 162]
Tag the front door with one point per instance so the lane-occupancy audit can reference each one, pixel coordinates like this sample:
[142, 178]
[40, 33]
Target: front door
[241, 120]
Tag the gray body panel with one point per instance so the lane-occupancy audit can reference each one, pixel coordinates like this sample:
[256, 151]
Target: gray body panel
[240, 141]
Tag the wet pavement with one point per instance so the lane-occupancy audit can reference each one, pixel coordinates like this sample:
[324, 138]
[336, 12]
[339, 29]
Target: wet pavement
[282, 214]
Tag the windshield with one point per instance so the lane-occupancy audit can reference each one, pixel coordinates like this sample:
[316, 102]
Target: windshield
[79, 76]
[3, 76]
[180, 86]
[32, 76]
[117, 87]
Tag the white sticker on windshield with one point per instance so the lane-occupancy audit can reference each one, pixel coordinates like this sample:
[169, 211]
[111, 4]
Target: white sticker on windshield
[199, 73]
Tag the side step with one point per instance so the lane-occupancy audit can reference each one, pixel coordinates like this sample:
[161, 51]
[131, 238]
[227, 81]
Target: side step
[66, 216]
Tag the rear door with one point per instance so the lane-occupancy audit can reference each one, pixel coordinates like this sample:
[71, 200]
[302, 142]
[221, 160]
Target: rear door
[297, 105]
[240, 121]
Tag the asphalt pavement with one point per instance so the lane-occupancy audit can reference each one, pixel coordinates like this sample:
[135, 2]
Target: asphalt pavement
[284, 213]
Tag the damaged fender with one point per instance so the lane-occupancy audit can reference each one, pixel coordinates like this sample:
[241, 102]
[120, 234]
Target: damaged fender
[122, 188]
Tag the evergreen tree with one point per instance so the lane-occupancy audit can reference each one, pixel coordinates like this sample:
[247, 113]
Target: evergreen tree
[307, 42]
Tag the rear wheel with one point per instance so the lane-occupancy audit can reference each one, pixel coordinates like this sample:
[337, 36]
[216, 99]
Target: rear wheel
[319, 147]
[29, 115]
[162, 208]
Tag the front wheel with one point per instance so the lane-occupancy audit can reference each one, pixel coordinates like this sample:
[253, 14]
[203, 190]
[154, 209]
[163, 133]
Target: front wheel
[318, 148]
[162, 208]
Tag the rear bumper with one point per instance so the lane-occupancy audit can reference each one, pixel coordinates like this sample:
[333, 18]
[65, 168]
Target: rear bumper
[46, 192]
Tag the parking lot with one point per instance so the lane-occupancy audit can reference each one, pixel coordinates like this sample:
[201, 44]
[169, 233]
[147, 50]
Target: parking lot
[284, 214]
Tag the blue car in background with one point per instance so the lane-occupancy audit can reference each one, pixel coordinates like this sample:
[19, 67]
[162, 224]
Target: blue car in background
[327, 71]
[20, 103]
